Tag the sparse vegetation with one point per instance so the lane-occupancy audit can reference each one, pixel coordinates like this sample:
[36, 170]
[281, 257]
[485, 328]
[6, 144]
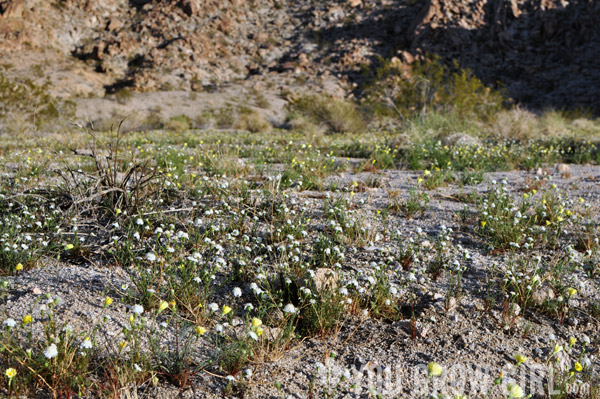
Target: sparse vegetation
[27, 107]
[336, 115]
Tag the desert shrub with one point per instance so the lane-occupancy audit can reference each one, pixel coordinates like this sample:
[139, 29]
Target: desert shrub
[253, 122]
[430, 86]
[336, 115]
[178, 123]
[123, 95]
[517, 124]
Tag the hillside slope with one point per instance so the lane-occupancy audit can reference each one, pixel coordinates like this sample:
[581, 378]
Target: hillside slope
[541, 51]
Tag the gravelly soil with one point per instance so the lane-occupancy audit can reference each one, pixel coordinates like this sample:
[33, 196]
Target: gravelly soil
[472, 342]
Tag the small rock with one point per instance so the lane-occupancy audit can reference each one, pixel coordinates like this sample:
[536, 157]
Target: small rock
[114, 24]
[572, 321]
[272, 333]
[461, 140]
[451, 303]
[515, 309]
[542, 294]
[324, 278]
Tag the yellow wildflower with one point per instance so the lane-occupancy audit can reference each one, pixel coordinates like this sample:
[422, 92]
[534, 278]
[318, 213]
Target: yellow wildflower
[162, 306]
[10, 373]
[520, 358]
[200, 330]
[256, 322]
[434, 369]
[514, 391]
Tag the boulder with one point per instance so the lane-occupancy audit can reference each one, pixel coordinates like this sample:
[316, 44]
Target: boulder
[12, 8]
[190, 7]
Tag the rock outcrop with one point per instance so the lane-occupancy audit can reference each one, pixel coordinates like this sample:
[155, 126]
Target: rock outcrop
[543, 52]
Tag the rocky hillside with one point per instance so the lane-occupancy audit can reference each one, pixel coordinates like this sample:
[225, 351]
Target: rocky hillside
[541, 51]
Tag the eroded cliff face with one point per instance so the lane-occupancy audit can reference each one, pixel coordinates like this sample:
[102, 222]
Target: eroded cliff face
[542, 51]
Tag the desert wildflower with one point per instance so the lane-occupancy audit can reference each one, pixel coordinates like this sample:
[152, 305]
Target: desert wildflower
[68, 247]
[237, 292]
[578, 367]
[226, 309]
[256, 322]
[572, 341]
[483, 223]
[51, 351]
[213, 307]
[10, 323]
[10, 373]
[200, 330]
[138, 309]
[86, 343]
[520, 359]
[572, 291]
[27, 319]
[434, 369]
[514, 391]
[162, 306]
[108, 301]
[289, 308]
[19, 267]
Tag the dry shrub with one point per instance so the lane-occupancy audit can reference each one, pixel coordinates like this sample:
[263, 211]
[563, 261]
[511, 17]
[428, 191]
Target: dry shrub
[253, 122]
[178, 123]
[515, 124]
